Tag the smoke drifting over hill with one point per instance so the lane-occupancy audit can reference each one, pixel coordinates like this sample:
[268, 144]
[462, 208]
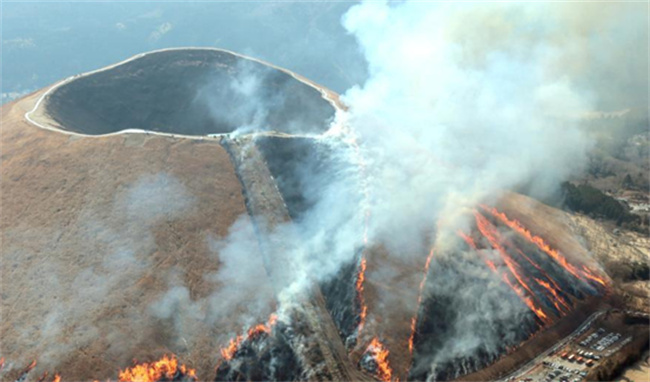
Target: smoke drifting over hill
[462, 102]
[441, 125]
[254, 97]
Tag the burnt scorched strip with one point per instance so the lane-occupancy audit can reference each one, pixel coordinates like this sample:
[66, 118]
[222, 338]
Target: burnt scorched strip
[570, 285]
[263, 357]
[341, 302]
[23, 375]
[289, 160]
[598, 281]
[301, 167]
[468, 319]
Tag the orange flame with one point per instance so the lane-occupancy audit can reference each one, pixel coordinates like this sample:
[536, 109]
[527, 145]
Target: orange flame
[468, 239]
[361, 278]
[57, 377]
[551, 290]
[30, 367]
[426, 273]
[380, 354]
[563, 307]
[412, 337]
[489, 231]
[166, 367]
[551, 286]
[538, 312]
[427, 264]
[228, 352]
[351, 140]
[589, 274]
[582, 274]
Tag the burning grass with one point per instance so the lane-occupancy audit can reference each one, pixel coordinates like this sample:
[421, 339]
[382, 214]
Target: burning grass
[420, 292]
[262, 353]
[541, 278]
[375, 361]
[229, 351]
[582, 272]
[165, 369]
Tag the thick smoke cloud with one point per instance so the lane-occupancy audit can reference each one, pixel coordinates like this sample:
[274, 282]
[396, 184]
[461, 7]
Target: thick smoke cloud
[462, 102]
[451, 116]
[466, 100]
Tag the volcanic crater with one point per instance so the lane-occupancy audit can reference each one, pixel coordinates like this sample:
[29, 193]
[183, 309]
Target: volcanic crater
[189, 92]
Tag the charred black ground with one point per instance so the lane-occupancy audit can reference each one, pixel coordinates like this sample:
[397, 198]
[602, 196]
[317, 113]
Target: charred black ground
[463, 294]
[191, 92]
[455, 282]
[289, 160]
[265, 357]
[342, 303]
[301, 167]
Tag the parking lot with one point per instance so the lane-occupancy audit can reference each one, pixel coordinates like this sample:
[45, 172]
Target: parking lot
[572, 362]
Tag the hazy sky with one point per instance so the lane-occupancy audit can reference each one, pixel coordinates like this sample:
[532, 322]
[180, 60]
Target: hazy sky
[45, 41]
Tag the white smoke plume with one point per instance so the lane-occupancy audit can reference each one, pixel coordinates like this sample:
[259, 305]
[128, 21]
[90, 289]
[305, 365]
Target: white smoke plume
[461, 103]
[242, 96]
[251, 97]
[465, 100]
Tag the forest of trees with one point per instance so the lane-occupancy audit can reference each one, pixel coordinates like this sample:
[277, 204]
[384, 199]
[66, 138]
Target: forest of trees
[593, 202]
